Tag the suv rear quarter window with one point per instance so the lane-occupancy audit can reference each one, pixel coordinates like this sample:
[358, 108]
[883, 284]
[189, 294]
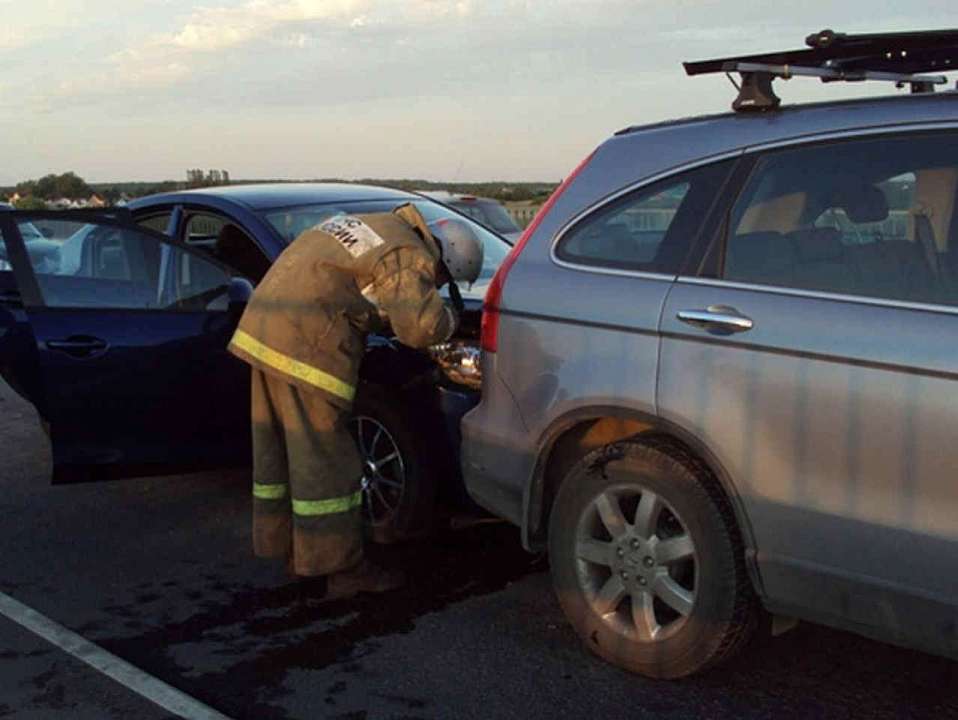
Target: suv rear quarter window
[649, 230]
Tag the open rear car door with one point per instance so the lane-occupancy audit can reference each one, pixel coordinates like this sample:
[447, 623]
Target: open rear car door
[117, 335]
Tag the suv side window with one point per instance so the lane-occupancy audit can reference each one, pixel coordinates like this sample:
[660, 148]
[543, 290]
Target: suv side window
[868, 217]
[650, 230]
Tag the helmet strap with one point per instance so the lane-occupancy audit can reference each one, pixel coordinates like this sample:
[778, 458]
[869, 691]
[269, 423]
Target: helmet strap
[454, 294]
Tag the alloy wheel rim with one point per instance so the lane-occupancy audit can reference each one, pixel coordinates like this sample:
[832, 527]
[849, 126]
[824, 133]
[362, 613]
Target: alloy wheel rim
[636, 563]
[384, 472]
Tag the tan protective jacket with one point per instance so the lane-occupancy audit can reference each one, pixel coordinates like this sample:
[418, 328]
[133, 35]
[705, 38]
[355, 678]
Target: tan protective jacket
[308, 319]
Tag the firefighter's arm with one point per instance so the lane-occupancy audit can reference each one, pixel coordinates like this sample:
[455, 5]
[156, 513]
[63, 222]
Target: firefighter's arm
[404, 283]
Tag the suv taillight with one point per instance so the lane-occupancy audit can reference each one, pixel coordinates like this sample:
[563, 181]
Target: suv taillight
[493, 301]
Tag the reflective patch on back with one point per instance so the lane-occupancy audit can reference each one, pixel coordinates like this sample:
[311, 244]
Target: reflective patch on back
[353, 234]
[369, 292]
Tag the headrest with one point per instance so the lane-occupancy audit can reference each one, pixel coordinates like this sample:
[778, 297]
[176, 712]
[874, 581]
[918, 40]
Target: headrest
[863, 203]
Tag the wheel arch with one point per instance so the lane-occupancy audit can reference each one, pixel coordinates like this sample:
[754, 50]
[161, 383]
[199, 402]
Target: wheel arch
[574, 434]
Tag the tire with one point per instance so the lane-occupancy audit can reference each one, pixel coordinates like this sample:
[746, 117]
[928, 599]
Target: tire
[687, 604]
[391, 513]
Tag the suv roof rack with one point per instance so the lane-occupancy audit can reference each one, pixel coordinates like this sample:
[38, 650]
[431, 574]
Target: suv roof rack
[832, 57]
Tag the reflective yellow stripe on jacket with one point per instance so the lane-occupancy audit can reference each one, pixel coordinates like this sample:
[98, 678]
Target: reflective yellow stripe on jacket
[328, 507]
[293, 368]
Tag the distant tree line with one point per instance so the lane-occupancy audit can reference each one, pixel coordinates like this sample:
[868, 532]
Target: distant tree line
[34, 193]
[196, 178]
[502, 191]
[498, 190]
[68, 185]
[114, 192]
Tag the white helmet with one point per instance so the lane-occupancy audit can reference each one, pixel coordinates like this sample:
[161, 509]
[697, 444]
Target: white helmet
[461, 248]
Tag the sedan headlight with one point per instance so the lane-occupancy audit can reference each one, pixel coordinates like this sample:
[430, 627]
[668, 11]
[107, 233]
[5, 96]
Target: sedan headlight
[460, 362]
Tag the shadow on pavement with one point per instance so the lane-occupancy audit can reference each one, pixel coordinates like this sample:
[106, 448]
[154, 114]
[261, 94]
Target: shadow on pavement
[262, 633]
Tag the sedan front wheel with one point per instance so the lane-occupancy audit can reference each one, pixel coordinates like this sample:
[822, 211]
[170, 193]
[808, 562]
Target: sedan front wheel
[399, 491]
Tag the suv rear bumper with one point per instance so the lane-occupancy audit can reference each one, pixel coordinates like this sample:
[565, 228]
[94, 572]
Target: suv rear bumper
[497, 456]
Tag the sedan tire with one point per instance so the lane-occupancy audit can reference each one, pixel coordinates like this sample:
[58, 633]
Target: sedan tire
[399, 491]
[647, 561]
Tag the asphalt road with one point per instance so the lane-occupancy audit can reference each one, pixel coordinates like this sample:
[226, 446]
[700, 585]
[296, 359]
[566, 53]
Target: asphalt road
[159, 573]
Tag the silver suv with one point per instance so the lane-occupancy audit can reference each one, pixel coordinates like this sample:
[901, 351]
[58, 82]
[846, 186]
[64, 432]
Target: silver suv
[720, 373]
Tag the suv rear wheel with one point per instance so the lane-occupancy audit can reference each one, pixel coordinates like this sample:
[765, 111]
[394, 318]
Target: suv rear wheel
[647, 562]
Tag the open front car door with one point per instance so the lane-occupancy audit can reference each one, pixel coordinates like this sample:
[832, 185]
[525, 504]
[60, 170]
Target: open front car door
[118, 336]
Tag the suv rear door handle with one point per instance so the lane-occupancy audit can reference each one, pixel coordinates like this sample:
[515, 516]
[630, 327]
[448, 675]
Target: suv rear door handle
[720, 319]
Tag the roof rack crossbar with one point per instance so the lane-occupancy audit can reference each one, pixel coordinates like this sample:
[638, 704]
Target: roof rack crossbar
[833, 74]
[835, 57]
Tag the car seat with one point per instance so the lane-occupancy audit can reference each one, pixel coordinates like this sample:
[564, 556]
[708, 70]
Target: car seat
[766, 258]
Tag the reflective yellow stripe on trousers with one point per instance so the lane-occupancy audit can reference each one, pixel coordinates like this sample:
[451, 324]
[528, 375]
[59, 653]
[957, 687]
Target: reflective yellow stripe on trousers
[269, 492]
[293, 368]
[328, 507]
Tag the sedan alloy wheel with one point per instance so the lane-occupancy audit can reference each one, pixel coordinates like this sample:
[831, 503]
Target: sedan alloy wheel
[384, 470]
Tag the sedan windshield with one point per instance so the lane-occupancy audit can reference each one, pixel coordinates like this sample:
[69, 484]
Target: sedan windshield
[291, 222]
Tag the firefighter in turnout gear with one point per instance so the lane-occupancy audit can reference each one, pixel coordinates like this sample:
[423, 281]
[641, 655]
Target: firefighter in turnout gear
[303, 333]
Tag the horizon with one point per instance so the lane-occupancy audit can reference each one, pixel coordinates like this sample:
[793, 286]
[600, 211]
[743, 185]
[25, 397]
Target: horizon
[265, 181]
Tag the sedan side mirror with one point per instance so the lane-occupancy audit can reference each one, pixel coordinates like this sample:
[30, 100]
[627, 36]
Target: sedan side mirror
[240, 292]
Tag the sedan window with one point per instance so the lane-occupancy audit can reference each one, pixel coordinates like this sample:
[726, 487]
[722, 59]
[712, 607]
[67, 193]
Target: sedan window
[4, 260]
[92, 265]
[222, 239]
[158, 223]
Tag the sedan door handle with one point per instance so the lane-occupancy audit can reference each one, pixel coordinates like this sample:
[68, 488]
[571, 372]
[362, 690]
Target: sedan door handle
[718, 319]
[79, 346]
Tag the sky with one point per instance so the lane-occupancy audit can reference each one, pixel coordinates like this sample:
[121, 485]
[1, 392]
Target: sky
[454, 90]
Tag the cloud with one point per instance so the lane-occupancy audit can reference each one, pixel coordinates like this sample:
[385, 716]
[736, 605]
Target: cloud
[25, 24]
[197, 44]
[12, 38]
[205, 38]
[217, 28]
[226, 26]
[123, 81]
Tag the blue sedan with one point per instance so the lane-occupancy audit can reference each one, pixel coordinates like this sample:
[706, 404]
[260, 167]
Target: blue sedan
[116, 331]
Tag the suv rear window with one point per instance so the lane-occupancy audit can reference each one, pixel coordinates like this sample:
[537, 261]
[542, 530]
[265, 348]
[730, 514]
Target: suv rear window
[649, 230]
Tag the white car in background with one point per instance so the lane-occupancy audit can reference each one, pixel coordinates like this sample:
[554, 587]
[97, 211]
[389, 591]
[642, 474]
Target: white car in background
[37, 244]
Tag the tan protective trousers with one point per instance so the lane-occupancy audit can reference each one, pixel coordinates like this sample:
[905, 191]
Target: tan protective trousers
[306, 479]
